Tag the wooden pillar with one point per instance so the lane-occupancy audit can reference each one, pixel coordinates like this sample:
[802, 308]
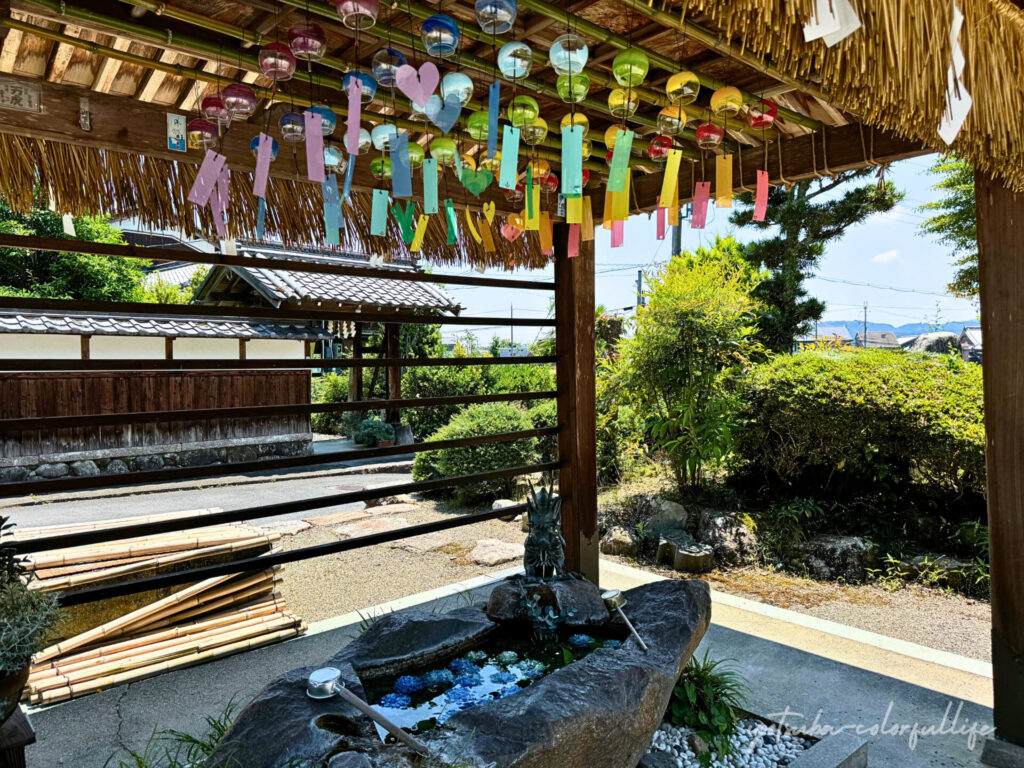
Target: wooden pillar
[355, 375]
[1001, 245]
[169, 347]
[242, 347]
[86, 341]
[574, 341]
[393, 349]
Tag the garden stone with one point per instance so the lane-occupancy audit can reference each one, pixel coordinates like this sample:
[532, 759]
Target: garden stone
[668, 515]
[147, 463]
[696, 558]
[669, 544]
[370, 527]
[13, 474]
[942, 568]
[732, 542]
[657, 760]
[580, 599]
[504, 504]
[198, 458]
[51, 471]
[835, 557]
[937, 342]
[618, 541]
[242, 453]
[116, 467]
[85, 468]
[490, 552]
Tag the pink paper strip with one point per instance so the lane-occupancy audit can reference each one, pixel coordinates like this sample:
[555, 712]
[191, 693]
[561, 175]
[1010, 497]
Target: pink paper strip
[219, 202]
[315, 147]
[574, 241]
[617, 233]
[761, 198]
[263, 158]
[700, 205]
[207, 177]
[355, 108]
[661, 220]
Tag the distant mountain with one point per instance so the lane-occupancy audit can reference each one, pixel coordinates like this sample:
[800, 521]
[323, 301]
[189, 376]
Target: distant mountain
[854, 327]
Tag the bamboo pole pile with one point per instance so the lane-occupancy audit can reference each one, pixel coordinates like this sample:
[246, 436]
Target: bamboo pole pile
[203, 621]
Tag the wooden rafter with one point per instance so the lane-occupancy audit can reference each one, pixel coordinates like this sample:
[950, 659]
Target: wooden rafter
[9, 51]
[154, 79]
[110, 67]
[62, 55]
[195, 90]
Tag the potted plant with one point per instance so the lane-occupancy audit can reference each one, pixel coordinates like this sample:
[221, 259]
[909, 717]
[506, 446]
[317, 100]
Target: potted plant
[26, 616]
[384, 434]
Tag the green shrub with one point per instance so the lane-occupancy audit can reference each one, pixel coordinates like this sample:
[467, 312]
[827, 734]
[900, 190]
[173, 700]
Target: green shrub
[372, 430]
[707, 699]
[622, 441]
[441, 381]
[543, 416]
[845, 421]
[477, 420]
[331, 388]
[521, 378]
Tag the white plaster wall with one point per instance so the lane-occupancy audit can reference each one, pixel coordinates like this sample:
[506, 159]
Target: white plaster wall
[206, 349]
[40, 346]
[275, 349]
[127, 348]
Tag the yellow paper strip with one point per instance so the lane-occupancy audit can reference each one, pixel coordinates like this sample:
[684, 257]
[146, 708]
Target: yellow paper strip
[587, 228]
[671, 178]
[620, 201]
[673, 205]
[545, 232]
[472, 227]
[421, 231]
[574, 210]
[488, 238]
[609, 207]
[723, 181]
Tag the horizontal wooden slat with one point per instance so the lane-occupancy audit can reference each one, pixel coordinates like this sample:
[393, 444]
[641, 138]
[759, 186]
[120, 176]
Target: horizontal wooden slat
[220, 365]
[261, 411]
[33, 242]
[241, 467]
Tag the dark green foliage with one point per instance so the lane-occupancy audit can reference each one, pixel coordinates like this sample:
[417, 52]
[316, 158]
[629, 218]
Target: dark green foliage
[331, 388]
[841, 423]
[475, 421]
[174, 749]
[953, 218]
[372, 430]
[442, 381]
[59, 275]
[808, 217]
[520, 378]
[26, 616]
[543, 416]
[707, 700]
[421, 341]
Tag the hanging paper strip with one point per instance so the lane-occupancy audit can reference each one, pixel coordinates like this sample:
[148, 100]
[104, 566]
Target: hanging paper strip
[587, 228]
[206, 179]
[609, 204]
[488, 238]
[472, 228]
[670, 180]
[618, 231]
[531, 220]
[673, 206]
[620, 201]
[572, 161]
[349, 173]
[219, 202]
[261, 216]
[332, 210]
[723, 181]
[453, 221]
[531, 206]
[547, 246]
[430, 185]
[264, 153]
[355, 107]
[574, 210]
[509, 158]
[573, 248]
[661, 221]
[401, 170]
[493, 108]
[68, 222]
[314, 146]
[379, 213]
[620, 160]
[421, 231]
[229, 247]
[761, 197]
[700, 205]
[405, 219]
[510, 232]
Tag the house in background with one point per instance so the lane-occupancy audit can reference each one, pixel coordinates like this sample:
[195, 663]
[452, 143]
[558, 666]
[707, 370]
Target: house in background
[877, 340]
[970, 344]
[834, 333]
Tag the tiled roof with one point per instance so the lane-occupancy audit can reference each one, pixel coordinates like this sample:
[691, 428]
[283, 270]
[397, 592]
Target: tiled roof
[281, 286]
[180, 274]
[12, 321]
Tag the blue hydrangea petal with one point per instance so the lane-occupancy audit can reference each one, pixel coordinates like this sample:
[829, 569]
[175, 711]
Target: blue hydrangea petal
[503, 678]
[396, 701]
[581, 641]
[612, 643]
[408, 684]
[508, 690]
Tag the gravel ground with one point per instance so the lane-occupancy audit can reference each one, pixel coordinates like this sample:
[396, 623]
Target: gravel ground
[332, 585]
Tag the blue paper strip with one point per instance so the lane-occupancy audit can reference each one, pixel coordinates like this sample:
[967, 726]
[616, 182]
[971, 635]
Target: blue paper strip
[261, 216]
[379, 213]
[401, 171]
[509, 158]
[332, 209]
[430, 185]
[572, 160]
[493, 108]
[348, 177]
[620, 161]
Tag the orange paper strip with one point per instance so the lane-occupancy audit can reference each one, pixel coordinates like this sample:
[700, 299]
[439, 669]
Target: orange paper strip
[488, 238]
[587, 229]
[723, 181]
[546, 243]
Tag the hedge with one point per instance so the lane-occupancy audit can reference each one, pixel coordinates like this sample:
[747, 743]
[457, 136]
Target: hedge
[820, 421]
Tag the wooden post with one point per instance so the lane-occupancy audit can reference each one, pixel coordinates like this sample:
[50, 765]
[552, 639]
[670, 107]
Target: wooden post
[1001, 242]
[355, 376]
[86, 340]
[169, 347]
[393, 349]
[574, 341]
[242, 348]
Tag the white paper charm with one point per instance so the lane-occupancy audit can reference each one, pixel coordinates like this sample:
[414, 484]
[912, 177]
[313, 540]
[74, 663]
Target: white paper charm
[833, 21]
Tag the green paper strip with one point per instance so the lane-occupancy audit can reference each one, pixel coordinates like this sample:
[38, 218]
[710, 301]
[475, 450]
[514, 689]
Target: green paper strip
[572, 160]
[453, 230]
[529, 192]
[458, 165]
[430, 185]
[509, 158]
[405, 219]
[620, 161]
[379, 213]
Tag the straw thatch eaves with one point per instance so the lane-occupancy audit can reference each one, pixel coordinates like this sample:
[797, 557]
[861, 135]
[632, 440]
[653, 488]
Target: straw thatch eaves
[163, 57]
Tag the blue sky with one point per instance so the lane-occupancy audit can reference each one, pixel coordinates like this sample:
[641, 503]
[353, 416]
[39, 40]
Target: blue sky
[886, 250]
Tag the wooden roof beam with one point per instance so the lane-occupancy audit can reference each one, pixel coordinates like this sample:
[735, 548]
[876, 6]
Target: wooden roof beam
[154, 78]
[9, 51]
[108, 70]
[62, 55]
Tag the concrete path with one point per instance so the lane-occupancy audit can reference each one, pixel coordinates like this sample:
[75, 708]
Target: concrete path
[812, 667]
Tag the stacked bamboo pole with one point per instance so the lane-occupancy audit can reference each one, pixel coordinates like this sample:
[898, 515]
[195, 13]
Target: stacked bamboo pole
[204, 621]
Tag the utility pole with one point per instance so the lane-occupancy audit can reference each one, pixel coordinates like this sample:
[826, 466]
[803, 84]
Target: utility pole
[677, 238]
[512, 328]
[865, 325]
[640, 288]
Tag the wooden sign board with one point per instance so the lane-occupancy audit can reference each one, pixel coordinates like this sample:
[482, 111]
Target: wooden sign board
[20, 95]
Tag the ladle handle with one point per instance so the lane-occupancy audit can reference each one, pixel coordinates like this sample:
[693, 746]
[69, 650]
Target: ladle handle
[390, 727]
[633, 630]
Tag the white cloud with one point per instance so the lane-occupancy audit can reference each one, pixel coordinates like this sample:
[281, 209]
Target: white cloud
[886, 257]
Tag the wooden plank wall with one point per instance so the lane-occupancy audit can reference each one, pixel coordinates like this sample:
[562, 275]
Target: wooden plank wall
[24, 395]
